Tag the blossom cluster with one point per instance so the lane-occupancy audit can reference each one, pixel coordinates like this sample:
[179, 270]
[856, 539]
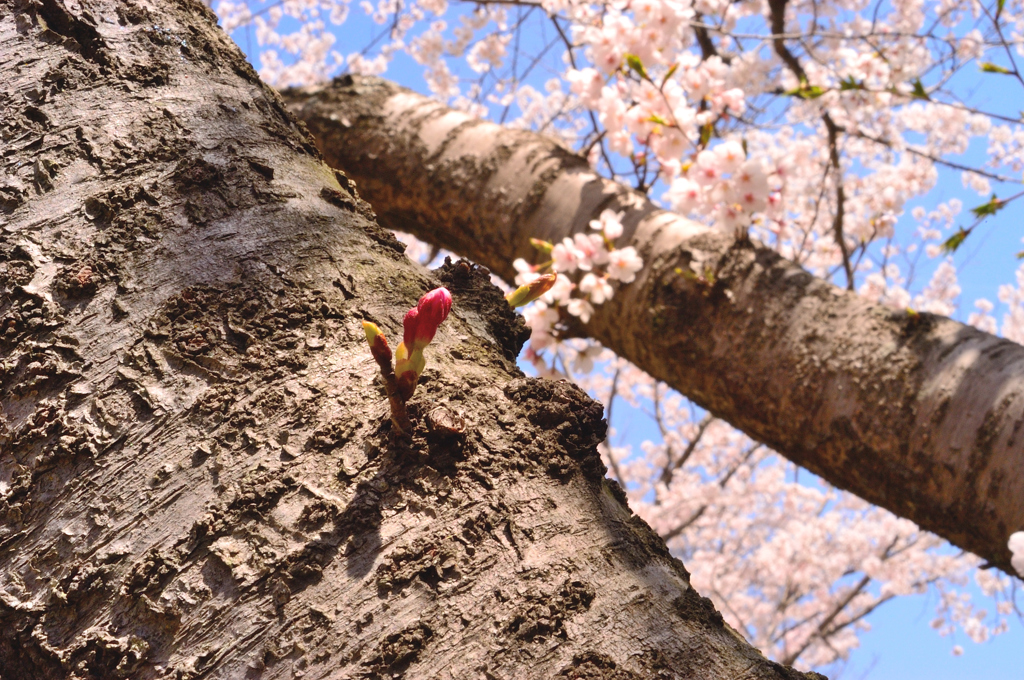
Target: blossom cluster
[588, 267]
[723, 183]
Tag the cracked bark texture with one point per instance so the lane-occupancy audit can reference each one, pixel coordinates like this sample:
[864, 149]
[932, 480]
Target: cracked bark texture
[914, 412]
[196, 473]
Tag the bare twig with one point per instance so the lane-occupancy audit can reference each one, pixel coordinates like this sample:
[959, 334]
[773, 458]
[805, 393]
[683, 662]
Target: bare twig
[671, 466]
[778, 20]
[837, 221]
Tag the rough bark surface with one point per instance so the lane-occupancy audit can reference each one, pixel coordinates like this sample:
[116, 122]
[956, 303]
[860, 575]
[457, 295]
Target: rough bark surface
[914, 412]
[196, 473]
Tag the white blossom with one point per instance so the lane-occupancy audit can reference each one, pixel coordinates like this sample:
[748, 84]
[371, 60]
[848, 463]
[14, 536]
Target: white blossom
[1016, 545]
[597, 288]
[609, 224]
[581, 308]
[624, 263]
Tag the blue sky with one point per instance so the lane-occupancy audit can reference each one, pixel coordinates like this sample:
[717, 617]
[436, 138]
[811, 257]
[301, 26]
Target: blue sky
[901, 645]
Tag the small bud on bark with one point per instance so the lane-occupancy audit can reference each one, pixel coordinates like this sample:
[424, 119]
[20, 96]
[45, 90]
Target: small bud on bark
[378, 343]
[420, 324]
[543, 246]
[525, 294]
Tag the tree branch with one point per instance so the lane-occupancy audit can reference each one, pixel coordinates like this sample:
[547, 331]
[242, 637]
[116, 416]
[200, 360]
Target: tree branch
[672, 466]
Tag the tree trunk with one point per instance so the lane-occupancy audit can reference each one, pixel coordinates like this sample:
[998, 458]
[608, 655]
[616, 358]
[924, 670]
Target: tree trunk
[914, 412]
[197, 478]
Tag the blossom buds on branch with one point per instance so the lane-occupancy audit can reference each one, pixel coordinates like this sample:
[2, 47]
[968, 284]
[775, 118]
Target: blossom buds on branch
[378, 343]
[543, 246]
[420, 324]
[421, 321]
[527, 293]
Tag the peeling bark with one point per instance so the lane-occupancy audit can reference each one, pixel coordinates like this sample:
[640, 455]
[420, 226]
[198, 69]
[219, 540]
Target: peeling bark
[914, 412]
[196, 473]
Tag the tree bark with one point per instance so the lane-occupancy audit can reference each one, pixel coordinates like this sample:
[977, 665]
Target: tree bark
[197, 478]
[914, 412]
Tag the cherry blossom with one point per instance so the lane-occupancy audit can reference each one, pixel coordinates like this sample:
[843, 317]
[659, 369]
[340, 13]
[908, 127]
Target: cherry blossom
[567, 258]
[1016, 545]
[623, 264]
[581, 308]
[609, 224]
[597, 288]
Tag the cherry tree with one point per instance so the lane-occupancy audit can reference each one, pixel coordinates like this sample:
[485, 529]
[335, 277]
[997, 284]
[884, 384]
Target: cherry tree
[819, 129]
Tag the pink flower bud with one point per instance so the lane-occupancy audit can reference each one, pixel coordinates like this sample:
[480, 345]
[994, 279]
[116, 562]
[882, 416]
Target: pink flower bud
[421, 322]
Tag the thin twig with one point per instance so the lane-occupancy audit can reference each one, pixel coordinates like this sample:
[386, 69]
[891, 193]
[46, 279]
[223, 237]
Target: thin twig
[778, 19]
[837, 221]
[671, 466]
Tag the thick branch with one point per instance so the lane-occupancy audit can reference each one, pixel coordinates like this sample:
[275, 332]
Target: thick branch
[917, 413]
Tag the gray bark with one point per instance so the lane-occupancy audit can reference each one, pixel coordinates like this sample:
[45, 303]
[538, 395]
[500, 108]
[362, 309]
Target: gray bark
[196, 473]
[914, 412]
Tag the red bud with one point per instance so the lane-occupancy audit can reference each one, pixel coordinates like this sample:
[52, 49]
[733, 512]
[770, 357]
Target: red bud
[421, 322]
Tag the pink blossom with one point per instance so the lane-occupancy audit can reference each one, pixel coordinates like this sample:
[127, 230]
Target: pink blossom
[982, 319]
[730, 156]
[609, 223]
[707, 169]
[541, 320]
[591, 250]
[670, 144]
[565, 256]
[586, 84]
[1016, 545]
[597, 288]
[624, 263]
[583, 362]
[684, 195]
[560, 291]
[731, 217]
[525, 272]
[581, 308]
[488, 53]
